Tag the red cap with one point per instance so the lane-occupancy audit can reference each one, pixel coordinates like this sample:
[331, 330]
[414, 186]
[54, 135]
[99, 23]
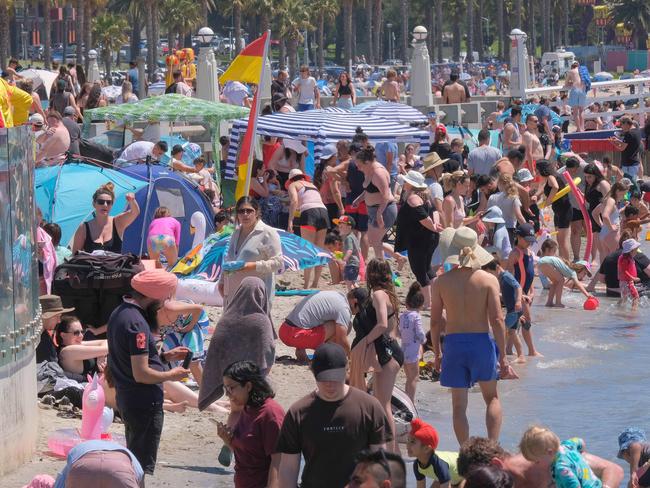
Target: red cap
[441, 128]
[425, 433]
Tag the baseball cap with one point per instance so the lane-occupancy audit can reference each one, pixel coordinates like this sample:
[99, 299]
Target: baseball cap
[36, 119]
[344, 219]
[69, 110]
[441, 129]
[425, 433]
[526, 231]
[329, 363]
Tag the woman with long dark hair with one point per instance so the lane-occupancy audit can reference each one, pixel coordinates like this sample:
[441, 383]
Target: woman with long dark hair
[253, 437]
[76, 355]
[328, 184]
[375, 326]
[344, 92]
[595, 190]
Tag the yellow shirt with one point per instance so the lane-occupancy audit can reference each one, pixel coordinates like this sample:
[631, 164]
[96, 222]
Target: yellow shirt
[14, 105]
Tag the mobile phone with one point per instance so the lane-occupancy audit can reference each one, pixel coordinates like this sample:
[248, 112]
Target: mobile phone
[187, 360]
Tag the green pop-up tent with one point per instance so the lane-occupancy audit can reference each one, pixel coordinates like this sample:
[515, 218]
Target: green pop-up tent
[169, 108]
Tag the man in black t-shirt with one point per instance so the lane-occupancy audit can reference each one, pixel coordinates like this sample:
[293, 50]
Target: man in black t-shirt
[330, 426]
[630, 146]
[608, 272]
[137, 368]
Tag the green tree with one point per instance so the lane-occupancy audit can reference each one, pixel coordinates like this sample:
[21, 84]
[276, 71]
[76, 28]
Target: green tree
[6, 9]
[634, 13]
[180, 17]
[324, 11]
[110, 31]
[295, 20]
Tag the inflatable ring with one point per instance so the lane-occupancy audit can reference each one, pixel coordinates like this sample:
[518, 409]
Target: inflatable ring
[563, 192]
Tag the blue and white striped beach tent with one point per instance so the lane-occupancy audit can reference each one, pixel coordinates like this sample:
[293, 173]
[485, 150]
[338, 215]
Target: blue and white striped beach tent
[399, 112]
[324, 127]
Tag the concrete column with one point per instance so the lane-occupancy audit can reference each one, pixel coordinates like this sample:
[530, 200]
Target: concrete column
[142, 77]
[519, 64]
[207, 82]
[421, 95]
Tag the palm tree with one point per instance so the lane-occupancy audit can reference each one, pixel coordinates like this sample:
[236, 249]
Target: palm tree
[470, 31]
[79, 30]
[151, 28]
[501, 34]
[180, 17]
[325, 10]
[378, 30]
[634, 13]
[47, 34]
[518, 13]
[5, 14]
[404, 12]
[296, 20]
[439, 30]
[347, 31]
[369, 27]
[110, 31]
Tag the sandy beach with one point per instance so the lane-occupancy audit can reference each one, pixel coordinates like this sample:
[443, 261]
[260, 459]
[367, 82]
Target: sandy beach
[189, 446]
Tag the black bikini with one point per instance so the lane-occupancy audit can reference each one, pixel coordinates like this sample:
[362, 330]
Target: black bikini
[371, 188]
[345, 89]
[386, 347]
[113, 245]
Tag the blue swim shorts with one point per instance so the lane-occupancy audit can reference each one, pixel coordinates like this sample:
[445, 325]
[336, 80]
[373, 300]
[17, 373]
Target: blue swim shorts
[512, 319]
[577, 98]
[467, 359]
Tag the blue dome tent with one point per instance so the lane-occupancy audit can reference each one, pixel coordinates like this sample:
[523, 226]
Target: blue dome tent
[168, 189]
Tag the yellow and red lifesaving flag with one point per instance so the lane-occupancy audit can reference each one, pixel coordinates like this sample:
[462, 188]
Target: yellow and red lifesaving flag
[247, 68]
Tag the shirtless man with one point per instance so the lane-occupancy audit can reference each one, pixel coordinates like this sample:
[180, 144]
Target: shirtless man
[511, 135]
[454, 92]
[577, 95]
[491, 121]
[479, 451]
[389, 89]
[534, 150]
[471, 299]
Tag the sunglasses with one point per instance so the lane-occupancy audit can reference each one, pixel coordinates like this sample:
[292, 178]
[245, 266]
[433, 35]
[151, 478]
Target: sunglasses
[101, 201]
[246, 211]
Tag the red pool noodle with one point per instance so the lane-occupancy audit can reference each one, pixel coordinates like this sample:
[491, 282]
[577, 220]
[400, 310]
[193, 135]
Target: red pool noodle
[585, 215]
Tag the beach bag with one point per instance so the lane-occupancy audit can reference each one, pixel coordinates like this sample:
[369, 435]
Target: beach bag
[94, 284]
[584, 77]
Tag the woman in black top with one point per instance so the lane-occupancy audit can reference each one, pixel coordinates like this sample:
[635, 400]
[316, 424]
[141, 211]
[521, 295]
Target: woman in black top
[376, 324]
[596, 189]
[417, 232]
[104, 232]
[562, 209]
[344, 92]
[76, 355]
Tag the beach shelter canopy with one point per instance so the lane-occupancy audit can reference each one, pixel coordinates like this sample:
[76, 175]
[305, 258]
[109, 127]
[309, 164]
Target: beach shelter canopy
[398, 112]
[64, 193]
[528, 109]
[323, 127]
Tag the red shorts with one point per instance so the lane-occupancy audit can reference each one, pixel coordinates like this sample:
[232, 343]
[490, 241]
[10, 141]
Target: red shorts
[302, 338]
[362, 209]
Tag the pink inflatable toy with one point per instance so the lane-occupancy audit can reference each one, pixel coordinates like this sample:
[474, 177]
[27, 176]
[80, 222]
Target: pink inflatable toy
[92, 409]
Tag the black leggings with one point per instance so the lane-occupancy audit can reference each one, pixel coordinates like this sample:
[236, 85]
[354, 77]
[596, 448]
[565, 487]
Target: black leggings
[420, 260]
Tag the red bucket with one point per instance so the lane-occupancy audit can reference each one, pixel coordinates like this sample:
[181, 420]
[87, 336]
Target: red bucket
[591, 303]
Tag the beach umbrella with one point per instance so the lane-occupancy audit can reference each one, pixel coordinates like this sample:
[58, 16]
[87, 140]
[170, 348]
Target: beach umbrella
[528, 109]
[603, 76]
[64, 193]
[398, 112]
[206, 262]
[40, 77]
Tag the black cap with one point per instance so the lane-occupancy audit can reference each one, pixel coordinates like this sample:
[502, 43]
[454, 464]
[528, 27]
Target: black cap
[527, 231]
[329, 363]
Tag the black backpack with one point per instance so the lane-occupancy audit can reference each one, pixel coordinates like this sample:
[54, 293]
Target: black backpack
[94, 283]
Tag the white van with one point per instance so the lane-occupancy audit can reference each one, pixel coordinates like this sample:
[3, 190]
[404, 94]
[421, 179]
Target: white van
[560, 60]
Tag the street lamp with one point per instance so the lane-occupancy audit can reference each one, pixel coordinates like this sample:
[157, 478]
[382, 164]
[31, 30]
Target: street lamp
[420, 70]
[420, 33]
[389, 26]
[205, 35]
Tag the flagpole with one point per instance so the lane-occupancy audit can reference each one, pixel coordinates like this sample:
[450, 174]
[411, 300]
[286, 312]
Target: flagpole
[256, 103]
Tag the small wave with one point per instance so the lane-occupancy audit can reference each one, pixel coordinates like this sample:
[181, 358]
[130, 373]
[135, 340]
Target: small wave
[561, 363]
[592, 345]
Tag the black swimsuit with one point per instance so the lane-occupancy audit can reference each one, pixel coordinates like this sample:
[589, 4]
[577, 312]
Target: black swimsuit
[113, 245]
[386, 347]
[371, 188]
[593, 197]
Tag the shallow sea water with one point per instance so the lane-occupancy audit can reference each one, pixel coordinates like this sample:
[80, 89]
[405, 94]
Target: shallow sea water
[592, 381]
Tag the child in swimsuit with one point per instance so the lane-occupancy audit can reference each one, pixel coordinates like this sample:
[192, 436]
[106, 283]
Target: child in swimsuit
[568, 468]
[627, 275]
[164, 237]
[439, 466]
[521, 264]
[557, 270]
[634, 448]
[412, 336]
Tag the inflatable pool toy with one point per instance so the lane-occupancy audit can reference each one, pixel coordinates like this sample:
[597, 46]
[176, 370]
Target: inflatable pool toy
[563, 192]
[580, 198]
[61, 441]
[591, 303]
[199, 291]
[92, 409]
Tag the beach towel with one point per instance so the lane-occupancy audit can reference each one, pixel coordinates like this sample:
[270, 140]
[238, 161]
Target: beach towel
[244, 333]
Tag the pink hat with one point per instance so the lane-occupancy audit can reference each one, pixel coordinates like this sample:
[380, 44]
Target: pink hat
[155, 283]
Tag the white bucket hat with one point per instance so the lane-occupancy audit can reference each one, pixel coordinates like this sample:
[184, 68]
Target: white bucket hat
[460, 247]
[493, 215]
[294, 145]
[630, 245]
[413, 178]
